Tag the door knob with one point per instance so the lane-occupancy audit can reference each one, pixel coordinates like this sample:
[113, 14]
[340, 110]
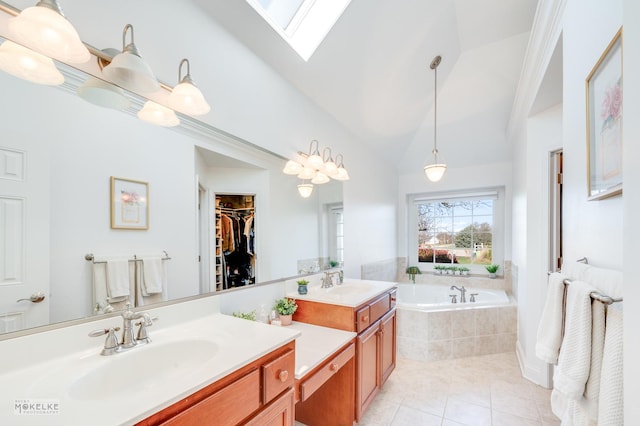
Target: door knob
[35, 298]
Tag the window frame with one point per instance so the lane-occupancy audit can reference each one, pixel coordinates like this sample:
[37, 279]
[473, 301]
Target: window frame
[498, 230]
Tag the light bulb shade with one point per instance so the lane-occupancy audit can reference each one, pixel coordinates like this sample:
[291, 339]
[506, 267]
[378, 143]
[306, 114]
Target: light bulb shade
[305, 190]
[159, 115]
[341, 174]
[435, 172]
[320, 178]
[188, 99]
[307, 173]
[292, 168]
[43, 29]
[28, 65]
[314, 161]
[330, 167]
[101, 93]
[131, 72]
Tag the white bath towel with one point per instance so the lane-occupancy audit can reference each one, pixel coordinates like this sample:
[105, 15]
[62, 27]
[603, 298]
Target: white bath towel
[153, 275]
[118, 278]
[551, 323]
[142, 299]
[611, 411]
[574, 361]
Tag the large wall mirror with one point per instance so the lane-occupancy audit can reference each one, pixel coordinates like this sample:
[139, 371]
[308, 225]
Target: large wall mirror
[57, 156]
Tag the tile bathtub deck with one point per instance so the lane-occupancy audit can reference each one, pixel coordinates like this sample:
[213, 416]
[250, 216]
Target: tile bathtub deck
[475, 391]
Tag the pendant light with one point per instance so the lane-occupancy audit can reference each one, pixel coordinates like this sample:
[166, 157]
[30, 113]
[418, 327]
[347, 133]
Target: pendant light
[28, 65]
[44, 28]
[436, 170]
[186, 97]
[128, 70]
[305, 189]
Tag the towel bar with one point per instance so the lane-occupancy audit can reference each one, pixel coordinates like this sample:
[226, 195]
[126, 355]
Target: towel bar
[91, 258]
[607, 300]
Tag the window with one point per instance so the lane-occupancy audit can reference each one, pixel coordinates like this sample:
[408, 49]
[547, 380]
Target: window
[336, 233]
[301, 23]
[457, 228]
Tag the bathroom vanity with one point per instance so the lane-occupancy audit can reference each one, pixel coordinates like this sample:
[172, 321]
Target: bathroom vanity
[368, 309]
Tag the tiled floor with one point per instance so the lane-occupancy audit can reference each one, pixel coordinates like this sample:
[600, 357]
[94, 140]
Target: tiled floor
[476, 391]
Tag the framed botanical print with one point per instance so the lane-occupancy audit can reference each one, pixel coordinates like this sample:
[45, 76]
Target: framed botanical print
[129, 204]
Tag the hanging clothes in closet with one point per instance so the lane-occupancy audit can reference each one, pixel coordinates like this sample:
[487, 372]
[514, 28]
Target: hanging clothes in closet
[238, 237]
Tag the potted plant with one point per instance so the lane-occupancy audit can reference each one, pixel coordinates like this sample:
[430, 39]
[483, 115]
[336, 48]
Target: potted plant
[463, 270]
[413, 271]
[439, 269]
[285, 308]
[492, 269]
[251, 316]
[302, 286]
[333, 263]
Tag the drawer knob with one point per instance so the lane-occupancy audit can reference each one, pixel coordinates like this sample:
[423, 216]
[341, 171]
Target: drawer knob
[333, 367]
[283, 375]
[365, 318]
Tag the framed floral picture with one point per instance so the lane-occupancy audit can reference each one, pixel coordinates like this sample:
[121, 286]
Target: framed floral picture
[129, 204]
[604, 123]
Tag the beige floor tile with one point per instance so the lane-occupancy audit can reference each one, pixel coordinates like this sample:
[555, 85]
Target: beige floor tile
[428, 402]
[467, 413]
[409, 416]
[380, 412]
[522, 407]
[505, 419]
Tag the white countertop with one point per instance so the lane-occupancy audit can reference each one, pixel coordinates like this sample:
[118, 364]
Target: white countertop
[351, 293]
[315, 344]
[235, 342]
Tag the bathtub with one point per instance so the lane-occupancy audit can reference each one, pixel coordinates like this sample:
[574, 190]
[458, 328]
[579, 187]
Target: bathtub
[430, 327]
[432, 297]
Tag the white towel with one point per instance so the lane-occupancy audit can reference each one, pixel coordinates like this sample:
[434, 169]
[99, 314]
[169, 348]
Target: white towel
[142, 299]
[117, 278]
[153, 275]
[574, 361]
[550, 326]
[611, 411]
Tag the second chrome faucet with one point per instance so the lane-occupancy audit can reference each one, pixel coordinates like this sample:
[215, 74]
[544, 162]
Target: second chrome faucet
[463, 292]
[129, 340]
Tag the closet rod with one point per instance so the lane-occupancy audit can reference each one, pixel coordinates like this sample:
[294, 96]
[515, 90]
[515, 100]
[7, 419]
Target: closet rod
[231, 209]
[91, 258]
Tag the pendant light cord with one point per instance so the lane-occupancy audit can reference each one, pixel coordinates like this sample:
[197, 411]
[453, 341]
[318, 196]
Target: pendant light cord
[434, 67]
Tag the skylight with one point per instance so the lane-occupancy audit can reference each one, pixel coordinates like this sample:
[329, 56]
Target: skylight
[301, 23]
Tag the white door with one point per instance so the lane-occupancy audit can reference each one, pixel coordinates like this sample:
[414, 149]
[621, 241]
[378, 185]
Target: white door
[24, 233]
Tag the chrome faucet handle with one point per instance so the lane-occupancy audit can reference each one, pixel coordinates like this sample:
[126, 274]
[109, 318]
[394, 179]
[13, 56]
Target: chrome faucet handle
[143, 335]
[111, 343]
[473, 297]
[453, 298]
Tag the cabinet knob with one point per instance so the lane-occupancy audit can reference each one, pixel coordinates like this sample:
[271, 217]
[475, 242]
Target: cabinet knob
[333, 367]
[365, 318]
[283, 375]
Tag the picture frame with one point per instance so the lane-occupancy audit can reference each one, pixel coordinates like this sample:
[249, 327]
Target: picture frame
[129, 204]
[604, 123]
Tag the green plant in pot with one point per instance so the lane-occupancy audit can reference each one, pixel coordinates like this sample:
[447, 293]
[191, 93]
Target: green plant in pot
[302, 286]
[333, 263]
[492, 269]
[285, 307]
[413, 271]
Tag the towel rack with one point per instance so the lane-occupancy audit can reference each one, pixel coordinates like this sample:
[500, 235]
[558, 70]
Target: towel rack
[91, 258]
[607, 300]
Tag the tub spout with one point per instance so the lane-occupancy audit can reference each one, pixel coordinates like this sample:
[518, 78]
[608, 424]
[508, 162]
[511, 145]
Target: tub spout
[463, 291]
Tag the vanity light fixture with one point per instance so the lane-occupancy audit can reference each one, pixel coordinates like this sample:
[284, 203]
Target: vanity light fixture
[186, 97]
[436, 170]
[44, 28]
[305, 189]
[330, 166]
[29, 65]
[318, 169]
[320, 178]
[103, 93]
[159, 115]
[314, 159]
[127, 69]
[292, 168]
[341, 173]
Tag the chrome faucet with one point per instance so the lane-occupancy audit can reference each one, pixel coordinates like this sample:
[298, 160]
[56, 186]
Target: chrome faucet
[463, 291]
[112, 345]
[327, 280]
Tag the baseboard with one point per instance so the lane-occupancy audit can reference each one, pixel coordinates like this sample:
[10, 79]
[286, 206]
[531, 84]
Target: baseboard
[534, 374]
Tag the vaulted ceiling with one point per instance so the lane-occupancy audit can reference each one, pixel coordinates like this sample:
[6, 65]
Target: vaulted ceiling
[372, 72]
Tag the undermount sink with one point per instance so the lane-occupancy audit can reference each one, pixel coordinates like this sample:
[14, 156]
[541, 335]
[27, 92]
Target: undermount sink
[142, 368]
[348, 289]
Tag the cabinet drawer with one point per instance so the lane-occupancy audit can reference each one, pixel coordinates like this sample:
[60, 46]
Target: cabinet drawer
[278, 375]
[379, 307]
[310, 385]
[363, 319]
[228, 406]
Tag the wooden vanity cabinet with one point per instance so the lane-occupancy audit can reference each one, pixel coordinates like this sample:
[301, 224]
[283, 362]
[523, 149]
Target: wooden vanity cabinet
[260, 393]
[375, 323]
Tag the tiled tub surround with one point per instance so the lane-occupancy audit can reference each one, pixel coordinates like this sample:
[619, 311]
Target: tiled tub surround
[457, 331]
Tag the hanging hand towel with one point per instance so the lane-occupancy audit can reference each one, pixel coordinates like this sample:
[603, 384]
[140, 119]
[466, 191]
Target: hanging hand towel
[153, 275]
[551, 322]
[611, 410]
[117, 278]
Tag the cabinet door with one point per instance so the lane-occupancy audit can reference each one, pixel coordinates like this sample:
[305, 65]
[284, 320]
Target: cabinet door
[367, 376]
[387, 345]
[279, 413]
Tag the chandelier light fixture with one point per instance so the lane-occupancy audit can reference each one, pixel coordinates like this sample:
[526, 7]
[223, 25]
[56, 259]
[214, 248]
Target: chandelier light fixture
[186, 97]
[315, 169]
[436, 170]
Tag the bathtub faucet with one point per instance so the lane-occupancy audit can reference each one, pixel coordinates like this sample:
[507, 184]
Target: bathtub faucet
[463, 291]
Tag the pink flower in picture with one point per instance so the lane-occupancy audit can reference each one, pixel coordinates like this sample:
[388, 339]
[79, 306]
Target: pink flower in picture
[611, 108]
[129, 197]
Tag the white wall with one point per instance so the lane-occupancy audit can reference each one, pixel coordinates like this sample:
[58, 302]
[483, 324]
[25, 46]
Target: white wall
[631, 207]
[542, 135]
